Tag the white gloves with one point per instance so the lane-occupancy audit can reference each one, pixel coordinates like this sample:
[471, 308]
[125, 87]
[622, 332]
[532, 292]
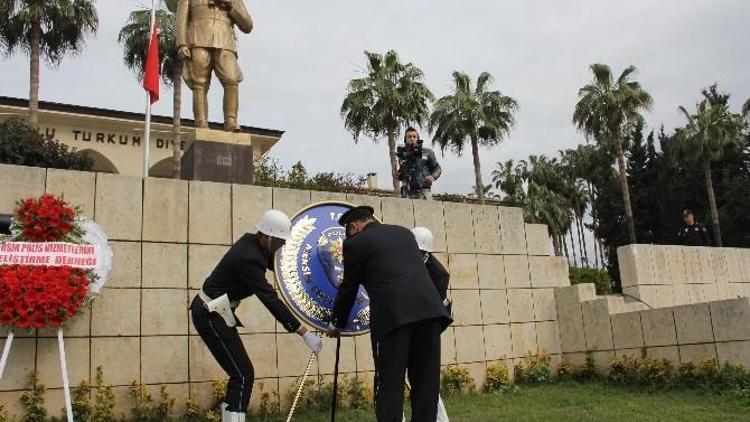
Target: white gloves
[313, 342]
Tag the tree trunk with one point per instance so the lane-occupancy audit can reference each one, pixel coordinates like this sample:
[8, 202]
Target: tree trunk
[477, 169]
[712, 203]
[596, 252]
[582, 241]
[177, 119]
[623, 176]
[565, 248]
[556, 245]
[34, 57]
[573, 245]
[394, 159]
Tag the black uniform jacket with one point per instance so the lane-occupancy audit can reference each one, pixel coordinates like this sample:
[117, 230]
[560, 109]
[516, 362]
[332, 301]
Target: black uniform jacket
[241, 273]
[694, 235]
[439, 275]
[386, 260]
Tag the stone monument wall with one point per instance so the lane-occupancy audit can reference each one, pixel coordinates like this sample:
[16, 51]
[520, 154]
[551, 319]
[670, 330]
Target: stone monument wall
[664, 276]
[167, 235]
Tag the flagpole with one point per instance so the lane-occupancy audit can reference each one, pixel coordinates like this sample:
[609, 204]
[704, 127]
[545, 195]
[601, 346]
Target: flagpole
[147, 128]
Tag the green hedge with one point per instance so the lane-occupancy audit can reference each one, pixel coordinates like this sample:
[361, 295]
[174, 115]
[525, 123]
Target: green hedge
[600, 278]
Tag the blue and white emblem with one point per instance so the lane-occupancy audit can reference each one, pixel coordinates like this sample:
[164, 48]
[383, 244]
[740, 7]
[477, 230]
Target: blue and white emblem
[310, 268]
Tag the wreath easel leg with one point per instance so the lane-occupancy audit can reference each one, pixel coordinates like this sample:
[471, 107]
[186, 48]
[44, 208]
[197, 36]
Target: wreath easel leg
[6, 352]
[64, 369]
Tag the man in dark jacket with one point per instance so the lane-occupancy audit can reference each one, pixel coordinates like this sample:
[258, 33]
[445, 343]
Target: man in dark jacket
[418, 167]
[407, 315]
[241, 273]
[693, 233]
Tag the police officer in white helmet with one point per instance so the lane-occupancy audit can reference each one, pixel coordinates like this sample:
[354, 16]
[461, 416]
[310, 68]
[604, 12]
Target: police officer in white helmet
[240, 274]
[438, 273]
[440, 277]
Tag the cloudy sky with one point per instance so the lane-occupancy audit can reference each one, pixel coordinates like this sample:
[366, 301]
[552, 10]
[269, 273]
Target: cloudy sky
[301, 55]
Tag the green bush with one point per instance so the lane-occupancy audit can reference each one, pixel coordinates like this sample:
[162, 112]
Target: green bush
[534, 370]
[624, 370]
[498, 378]
[81, 402]
[104, 406]
[20, 144]
[145, 409]
[600, 278]
[456, 380]
[32, 401]
[353, 393]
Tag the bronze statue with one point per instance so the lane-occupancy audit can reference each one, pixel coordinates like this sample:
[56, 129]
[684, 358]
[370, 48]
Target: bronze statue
[206, 42]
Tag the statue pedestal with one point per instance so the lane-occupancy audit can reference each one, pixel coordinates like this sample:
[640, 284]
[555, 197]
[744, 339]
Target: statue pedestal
[219, 156]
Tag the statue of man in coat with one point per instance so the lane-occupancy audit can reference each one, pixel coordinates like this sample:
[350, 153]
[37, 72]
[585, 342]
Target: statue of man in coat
[206, 43]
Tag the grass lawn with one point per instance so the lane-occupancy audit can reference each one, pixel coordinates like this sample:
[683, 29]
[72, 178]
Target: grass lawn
[578, 403]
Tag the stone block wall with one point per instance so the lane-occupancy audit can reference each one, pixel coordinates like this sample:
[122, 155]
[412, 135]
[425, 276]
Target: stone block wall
[665, 275]
[608, 328]
[167, 235]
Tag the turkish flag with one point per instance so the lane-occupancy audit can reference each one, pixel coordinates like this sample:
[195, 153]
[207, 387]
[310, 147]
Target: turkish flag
[151, 71]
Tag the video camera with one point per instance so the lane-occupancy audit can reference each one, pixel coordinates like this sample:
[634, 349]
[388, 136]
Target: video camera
[408, 159]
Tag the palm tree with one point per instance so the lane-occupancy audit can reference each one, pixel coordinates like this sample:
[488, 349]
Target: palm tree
[708, 134]
[392, 95]
[607, 110]
[527, 184]
[508, 178]
[546, 207]
[135, 38]
[577, 193]
[476, 114]
[45, 27]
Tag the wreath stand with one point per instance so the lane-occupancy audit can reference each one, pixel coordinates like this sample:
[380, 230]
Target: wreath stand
[63, 367]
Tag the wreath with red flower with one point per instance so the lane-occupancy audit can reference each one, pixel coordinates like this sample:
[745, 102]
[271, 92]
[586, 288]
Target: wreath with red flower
[40, 296]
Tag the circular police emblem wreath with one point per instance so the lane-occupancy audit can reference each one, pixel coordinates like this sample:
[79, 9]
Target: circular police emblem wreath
[309, 268]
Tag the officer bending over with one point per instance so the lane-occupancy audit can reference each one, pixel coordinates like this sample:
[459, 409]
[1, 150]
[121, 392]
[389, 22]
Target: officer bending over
[407, 315]
[241, 273]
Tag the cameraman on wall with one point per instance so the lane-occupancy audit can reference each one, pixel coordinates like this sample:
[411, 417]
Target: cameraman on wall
[418, 167]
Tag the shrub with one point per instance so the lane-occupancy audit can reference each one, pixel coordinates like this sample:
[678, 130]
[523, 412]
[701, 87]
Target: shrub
[352, 394]
[456, 380]
[498, 377]
[32, 401]
[81, 402]
[535, 370]
[192, 411]
[269, 403]
[104, 401]
[600, 278]
[3, 414]
[624, 370]
[359, 394]
[656, 372]
[20, 144]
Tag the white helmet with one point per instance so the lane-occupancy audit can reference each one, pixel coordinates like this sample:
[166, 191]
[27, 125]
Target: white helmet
[424, 238]
[275, 223]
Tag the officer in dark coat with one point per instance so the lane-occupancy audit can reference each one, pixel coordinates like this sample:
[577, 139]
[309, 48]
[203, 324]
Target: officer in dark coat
[407, 314]
[241, 273]
[693, 233]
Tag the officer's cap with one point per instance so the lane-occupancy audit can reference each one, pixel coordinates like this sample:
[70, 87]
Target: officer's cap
[356, 214]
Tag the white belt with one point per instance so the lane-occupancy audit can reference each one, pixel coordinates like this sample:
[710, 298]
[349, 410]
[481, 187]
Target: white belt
[221, 305]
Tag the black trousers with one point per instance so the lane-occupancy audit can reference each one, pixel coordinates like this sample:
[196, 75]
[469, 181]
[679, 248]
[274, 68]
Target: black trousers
[414, 347]
[226, 346]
